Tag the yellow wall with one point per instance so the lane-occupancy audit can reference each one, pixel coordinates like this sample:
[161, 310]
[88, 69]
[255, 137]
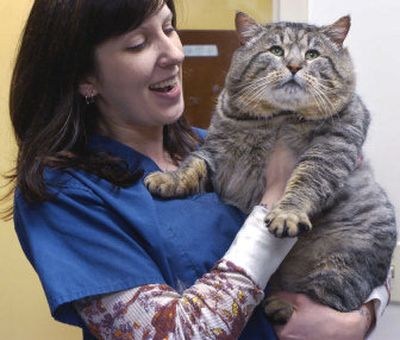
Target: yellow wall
[24, 312]
[220, 14]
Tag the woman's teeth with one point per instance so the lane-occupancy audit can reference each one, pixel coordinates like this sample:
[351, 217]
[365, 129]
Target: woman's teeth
[164, 86]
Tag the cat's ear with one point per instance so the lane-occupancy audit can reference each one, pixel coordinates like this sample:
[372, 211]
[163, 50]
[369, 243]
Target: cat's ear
[337, 32]
[245, 27]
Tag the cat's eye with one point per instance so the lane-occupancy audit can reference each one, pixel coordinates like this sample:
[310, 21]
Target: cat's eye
[277, 50]
[312, 54]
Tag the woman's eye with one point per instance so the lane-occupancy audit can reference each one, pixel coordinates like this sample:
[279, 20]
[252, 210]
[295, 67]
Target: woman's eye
[312, 54]
[136, 46]
[277, 50]
[168, 30]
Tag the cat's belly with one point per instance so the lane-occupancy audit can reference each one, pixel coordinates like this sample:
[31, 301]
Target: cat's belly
[240, 182]
[240, 160]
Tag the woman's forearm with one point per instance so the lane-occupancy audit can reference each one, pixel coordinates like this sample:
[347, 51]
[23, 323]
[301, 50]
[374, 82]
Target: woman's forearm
[219, 303]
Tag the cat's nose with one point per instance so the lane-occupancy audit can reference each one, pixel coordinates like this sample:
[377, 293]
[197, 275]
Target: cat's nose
[294, 68]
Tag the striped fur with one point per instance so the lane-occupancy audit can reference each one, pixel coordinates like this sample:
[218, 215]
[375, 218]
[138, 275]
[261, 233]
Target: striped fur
[317, 114]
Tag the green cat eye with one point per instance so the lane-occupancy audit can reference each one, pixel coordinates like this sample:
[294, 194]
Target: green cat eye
[277, 50]
[312, 54]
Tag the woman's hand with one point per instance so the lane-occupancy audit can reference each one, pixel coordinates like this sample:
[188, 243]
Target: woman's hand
[277, 173]
[313, 321]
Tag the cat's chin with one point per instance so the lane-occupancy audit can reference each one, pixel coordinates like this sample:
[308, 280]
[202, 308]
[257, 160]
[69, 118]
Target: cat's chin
[291, 92]
[293, 102]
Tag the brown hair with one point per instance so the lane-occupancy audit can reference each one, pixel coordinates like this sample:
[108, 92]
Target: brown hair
[50, 118]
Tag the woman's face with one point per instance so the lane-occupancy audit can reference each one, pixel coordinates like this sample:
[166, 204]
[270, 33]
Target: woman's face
[138, 75]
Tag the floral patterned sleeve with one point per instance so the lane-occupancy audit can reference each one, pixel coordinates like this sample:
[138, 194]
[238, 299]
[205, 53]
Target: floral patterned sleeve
[217, 306]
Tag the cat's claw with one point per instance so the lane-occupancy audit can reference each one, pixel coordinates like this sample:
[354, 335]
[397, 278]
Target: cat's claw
[164, 184]
[283, 223]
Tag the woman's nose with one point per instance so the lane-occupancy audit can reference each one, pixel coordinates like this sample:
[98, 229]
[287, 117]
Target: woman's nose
[171, 51]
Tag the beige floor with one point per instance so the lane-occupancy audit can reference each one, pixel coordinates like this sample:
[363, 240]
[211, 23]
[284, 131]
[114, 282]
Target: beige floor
[389, 326]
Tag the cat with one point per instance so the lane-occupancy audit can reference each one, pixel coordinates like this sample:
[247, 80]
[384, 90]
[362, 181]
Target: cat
[293, 84]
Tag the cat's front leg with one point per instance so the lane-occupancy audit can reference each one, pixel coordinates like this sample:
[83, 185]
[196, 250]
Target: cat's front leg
[287, 217]
[190, 178]
[290, 216]
[320, 172]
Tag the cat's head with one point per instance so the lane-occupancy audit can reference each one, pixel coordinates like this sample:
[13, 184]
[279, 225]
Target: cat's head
[290, 67]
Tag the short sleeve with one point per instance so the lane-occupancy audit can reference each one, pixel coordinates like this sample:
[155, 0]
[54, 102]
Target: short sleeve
[80, 248]
[200, 132]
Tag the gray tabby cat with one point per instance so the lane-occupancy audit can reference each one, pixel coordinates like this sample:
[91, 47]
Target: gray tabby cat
[293, 84]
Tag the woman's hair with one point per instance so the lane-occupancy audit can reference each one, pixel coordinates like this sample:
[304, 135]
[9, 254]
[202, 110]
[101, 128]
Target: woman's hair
[50, 118]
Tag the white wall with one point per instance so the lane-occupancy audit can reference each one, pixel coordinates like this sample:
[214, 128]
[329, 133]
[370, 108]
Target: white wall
[374, 42]
[290, 10]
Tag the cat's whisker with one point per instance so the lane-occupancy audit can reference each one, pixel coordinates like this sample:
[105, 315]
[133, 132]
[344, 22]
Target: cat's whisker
[317, 87]
[317, 100]
[327, 89]
[250, 87]
[319, 79]
[255, 89]
[333, 109]
[255, 82]
[255, 98]
[313, 82]
[320, 100]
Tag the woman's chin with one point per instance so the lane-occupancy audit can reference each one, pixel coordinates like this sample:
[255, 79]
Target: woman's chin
[174, 115]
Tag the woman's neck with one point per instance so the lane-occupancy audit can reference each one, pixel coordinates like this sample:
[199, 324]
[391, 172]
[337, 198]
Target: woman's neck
[148, 141]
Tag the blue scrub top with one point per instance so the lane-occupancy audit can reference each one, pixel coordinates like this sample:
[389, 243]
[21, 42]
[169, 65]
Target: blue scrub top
[93, 238]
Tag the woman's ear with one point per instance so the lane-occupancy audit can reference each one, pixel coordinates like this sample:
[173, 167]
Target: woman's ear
[87, 87]
[246, 27]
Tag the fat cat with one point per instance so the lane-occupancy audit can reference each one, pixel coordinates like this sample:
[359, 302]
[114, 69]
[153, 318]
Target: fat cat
[293, 84]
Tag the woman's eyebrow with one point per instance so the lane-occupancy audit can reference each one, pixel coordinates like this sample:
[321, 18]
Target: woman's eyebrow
[169, 17]
[140, 29]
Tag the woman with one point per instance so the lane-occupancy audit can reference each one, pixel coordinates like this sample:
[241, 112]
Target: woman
[96, 104]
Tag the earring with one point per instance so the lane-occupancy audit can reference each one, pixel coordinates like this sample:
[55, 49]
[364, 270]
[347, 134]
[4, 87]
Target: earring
[89, 98]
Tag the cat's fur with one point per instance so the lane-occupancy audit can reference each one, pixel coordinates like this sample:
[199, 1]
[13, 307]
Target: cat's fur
[277, 92]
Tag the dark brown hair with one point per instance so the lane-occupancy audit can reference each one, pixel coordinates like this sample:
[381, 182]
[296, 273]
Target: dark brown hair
[50, 118]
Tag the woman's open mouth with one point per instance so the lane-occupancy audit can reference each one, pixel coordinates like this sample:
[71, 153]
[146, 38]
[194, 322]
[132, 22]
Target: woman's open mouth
[164, 86]
[169, 88]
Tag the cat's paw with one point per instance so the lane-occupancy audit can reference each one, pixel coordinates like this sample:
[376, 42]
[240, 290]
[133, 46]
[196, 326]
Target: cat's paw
[282, 222]
[165, 184]
[278, 311]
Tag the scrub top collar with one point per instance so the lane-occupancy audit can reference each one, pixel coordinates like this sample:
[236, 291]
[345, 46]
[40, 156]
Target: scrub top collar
[135, 159]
